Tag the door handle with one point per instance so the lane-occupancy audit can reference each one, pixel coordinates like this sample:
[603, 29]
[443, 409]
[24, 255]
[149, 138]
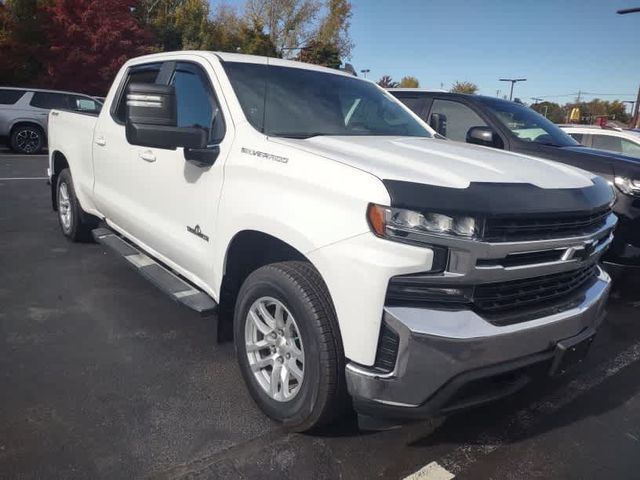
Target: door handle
[147, 156]
[101, 141]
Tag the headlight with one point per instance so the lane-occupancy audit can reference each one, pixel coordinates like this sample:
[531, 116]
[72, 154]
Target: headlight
[627, 185]
[408, 225]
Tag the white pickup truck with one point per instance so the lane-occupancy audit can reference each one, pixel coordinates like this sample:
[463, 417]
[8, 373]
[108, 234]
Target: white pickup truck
[360, 259]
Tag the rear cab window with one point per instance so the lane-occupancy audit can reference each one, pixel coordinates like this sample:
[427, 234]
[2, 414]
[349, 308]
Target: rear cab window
[10, 97]
[607, 142]
[85, 104]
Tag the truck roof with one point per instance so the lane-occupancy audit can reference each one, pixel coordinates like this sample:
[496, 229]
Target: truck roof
[242, 58]
[416, 90]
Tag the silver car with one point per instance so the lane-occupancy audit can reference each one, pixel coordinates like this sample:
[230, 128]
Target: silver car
[24, 113]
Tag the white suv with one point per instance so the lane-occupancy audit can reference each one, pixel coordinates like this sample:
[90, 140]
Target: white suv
[606, 138]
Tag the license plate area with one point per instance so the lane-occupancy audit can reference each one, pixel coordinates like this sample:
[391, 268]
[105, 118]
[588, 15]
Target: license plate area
[570, 352]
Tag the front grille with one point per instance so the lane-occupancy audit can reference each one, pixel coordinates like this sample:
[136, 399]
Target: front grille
[501, 303]
[545, 291]
[541, 227]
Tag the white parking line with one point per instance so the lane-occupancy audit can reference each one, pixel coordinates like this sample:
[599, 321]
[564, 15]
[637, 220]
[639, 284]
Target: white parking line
[22, 178]
[432, 471]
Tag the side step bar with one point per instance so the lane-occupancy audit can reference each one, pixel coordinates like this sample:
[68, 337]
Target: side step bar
[177, 288]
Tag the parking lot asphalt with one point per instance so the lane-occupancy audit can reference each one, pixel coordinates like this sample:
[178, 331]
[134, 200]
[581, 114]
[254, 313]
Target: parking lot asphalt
[101, 376]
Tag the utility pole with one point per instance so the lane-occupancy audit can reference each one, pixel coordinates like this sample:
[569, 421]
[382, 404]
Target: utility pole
[546, 107]
[636, 112]
[513, 82]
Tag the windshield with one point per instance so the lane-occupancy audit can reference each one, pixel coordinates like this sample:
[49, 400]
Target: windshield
[528, 125]
[306, 103]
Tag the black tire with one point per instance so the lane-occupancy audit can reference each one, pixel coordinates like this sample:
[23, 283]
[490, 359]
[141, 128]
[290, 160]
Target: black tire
[27, 139]
[322, 395]
[80, 224]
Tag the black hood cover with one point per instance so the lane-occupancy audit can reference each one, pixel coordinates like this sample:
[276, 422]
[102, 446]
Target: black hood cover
[492, 199]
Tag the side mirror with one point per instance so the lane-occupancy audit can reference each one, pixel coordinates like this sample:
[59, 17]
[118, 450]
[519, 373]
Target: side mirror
[438, 121]
[152, 117]
[483, 136]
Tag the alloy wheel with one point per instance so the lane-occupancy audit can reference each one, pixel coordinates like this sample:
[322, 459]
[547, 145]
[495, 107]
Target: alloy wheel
[64, 206]
[28, 140]
[274, 349]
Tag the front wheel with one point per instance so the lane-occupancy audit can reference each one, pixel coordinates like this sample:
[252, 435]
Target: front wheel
[289, 347]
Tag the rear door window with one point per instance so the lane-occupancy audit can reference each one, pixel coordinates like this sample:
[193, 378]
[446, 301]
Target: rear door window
[50, 100]
[630, 148]
[10, 97]
[607, 142]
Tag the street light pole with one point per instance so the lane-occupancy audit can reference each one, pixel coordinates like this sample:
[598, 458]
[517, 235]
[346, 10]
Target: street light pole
[513, 82]
[364, 72]
[635, 121]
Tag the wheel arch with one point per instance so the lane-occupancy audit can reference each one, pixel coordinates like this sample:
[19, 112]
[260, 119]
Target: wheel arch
[27, 123]
[247, 251]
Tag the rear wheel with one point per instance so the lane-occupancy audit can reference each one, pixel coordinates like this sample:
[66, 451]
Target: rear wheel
[75, 224]
[288, 345]
[27, 139]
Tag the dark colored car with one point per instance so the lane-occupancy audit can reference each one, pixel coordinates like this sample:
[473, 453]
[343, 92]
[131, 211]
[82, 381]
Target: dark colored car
[498, 123]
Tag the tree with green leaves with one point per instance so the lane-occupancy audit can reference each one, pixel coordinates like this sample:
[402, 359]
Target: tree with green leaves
[192, 23]
[289, 23]
[387, 82]
[464, 87]
[228, 32]
[325, 54]
[551, 110]
[409, 82]
[254, 41]
[617, 111]
[334, 28]
[160, 17]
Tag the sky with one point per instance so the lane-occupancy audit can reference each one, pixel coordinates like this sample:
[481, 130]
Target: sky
[560, 46]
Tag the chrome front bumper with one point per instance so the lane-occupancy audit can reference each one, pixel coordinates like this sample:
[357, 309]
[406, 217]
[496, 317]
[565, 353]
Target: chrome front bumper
[442, 351]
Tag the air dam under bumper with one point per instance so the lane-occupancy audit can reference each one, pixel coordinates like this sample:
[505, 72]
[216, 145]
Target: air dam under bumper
[445, 355]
